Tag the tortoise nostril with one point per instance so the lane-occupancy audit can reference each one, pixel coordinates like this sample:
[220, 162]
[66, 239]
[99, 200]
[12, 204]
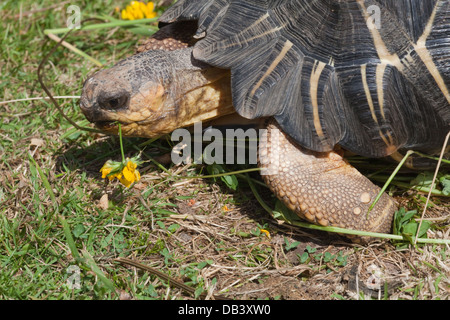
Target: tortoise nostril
[113, 103]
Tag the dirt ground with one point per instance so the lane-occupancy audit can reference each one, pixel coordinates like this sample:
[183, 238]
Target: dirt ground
[270, 266]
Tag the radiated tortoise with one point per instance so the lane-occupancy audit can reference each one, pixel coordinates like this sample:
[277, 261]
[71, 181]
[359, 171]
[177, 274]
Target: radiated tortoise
[368, 76]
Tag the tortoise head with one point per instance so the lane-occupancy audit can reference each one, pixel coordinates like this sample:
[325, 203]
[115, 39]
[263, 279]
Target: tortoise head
[154, 92]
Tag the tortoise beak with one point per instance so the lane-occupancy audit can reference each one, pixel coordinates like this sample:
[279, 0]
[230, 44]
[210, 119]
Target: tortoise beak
[97, 104]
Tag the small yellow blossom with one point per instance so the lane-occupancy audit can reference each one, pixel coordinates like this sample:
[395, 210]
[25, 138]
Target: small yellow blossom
[267, 233]
[124, 171]
[108, 167]
[130, 174]
[105, 171]
[139, 10]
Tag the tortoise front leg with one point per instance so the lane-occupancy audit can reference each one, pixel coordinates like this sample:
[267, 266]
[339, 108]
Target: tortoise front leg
[322, 188]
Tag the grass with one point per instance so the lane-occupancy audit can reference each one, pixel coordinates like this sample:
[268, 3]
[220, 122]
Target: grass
[62, 225]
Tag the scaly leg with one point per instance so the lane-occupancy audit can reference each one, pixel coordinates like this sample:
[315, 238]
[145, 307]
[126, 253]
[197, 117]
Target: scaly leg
[322, 188]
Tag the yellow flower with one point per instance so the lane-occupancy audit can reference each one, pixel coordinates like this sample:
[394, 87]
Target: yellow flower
[130, 174]
[107, 168]
[124, 171]
[139, 10]
[267, 233]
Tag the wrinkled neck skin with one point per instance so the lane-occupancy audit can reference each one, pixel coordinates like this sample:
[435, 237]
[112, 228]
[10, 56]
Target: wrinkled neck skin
[163, 90]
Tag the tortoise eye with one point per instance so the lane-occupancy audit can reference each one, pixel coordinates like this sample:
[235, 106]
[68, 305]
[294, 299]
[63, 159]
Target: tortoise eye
[115, 103]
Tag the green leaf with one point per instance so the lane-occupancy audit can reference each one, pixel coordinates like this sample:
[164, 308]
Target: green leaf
[256, 232]
[151, 291]
[78, 230]
[445, 182]
[203, 264]
[230, 180]
[198, 292]
[309, 249]
[424, 228]
[341, 260]
[283, 213]
[161, 224]
[401, 218]
[408, 216]
[173, 227]
[409, 230]
[423, 179]
[406, 226]
[290, 246]
[304, 257]
[327, 257]
[106, 241]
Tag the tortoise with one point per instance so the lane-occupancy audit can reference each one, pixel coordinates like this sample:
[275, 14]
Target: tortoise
[367, 76]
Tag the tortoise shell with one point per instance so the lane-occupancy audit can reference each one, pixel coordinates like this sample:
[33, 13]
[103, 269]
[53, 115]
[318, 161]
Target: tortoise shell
[370, 75]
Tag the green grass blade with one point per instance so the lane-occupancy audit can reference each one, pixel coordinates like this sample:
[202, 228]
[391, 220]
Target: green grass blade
[69, 238]
[96, 269]
[75, 50]
[383, 189]
[44, 180]
[121, 23]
